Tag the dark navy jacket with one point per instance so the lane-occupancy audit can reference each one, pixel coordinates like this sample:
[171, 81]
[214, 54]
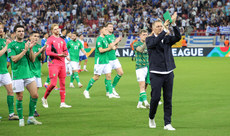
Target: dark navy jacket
[160, 54]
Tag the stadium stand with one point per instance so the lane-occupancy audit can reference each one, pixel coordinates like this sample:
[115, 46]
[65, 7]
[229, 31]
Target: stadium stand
[196, 18]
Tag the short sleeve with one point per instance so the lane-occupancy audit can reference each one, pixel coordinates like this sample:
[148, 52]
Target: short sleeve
[99, 43]
[11, 50]
[135, 45]
[81, 46]
[68, 45]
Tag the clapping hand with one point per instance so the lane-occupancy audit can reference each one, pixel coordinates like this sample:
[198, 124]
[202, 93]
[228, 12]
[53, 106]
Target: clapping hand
[32, 44]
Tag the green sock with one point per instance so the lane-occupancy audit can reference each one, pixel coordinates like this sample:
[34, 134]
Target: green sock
[19, 109]
[116, 80]
[32, 106]
[76, 77]
[72, 78]
[143, 96]
[48, 79]
[10, 102]
[109, 85]
[90, 84]
[107, 90]
[140, 98]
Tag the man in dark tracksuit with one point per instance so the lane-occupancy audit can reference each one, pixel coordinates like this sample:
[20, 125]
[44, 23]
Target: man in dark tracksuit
[161, 66]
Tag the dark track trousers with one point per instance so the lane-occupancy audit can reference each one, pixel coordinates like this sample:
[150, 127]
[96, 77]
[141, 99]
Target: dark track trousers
[157, 82]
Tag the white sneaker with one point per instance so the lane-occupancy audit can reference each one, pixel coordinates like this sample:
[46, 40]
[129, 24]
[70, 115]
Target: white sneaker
[160, 103]
[169, 127]
[71, 85]
[21, 123]
[80, 85]
[140, 106]
[44, 102]
[33, 121]
[64, 105]
[86, 94]
[113, 96]
[152, 123]
[114, 92]
[85, 70]
[107, 94]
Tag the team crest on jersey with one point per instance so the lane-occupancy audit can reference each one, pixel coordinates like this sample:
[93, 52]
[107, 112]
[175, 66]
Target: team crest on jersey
[54, 74]
[99, 43]
[9, 50]
[61, 42]
[16, 47]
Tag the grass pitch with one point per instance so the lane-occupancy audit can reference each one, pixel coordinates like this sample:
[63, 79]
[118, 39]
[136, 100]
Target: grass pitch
[200, 104]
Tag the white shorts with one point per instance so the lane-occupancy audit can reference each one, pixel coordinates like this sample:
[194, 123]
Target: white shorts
[74, 65]
[102, 69]
[141, 74]
[115, 64]
[18, 85]
[5, 79]
[38, 81]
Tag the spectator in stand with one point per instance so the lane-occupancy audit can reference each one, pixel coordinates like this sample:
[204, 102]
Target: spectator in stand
[74, 12]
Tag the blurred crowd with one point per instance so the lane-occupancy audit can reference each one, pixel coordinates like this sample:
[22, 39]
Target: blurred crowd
[128, 16]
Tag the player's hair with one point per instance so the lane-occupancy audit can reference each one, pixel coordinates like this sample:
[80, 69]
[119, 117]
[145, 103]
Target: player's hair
[18, 26]
[63, 30]
[53, 25]
[107, 24]
[79, 34]
[45, 34]
[75, 33]
[143, 31]
[101, 27]
[68, 31]
[158, 20]
[34, 32]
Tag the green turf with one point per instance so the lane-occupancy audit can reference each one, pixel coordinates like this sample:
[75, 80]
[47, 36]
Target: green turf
[200, 104]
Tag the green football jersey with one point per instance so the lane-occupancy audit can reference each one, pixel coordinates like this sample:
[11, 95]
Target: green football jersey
[20, 69]
[112, 54]
[3, 58]
[101, 58]
[141, 58]
[36, 65]
[74, 48]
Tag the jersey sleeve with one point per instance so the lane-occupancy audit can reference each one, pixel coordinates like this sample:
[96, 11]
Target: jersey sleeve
[99, 43]
[11, 50]
[48, 49]
[81, 46]
[135, 45]
[68, 45]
